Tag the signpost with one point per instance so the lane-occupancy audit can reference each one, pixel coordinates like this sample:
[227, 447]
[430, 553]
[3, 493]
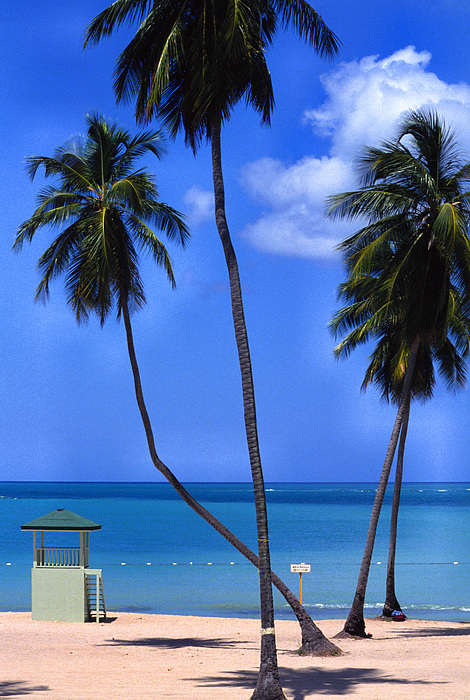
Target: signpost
[300, 569]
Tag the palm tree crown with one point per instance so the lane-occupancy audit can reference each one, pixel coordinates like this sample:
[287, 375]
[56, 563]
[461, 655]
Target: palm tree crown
[409, 267]
[103, 209]
[191, 61]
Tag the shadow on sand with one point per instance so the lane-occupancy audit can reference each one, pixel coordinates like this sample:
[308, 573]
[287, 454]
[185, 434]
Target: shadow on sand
[108, 620]
[311, 682]
[179, 643]
[438, 631]
[9, 689]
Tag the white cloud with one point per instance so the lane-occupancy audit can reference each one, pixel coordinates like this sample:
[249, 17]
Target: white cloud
[365, 99]
[200, 203]
[312, 179]
[296, 196]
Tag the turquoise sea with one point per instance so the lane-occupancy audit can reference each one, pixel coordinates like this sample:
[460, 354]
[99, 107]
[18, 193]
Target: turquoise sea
[158, 556]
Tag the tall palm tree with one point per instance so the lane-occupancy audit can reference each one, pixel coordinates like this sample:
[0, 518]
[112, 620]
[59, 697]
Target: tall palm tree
[103, 206]
[190, 63]
[408, 272]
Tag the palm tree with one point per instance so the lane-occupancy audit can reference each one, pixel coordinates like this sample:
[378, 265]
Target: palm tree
[408, 273]
[103, 206]
[190, 63]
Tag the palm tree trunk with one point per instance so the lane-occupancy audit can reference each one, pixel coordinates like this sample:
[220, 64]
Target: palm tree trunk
[268, 686]
[314, 641]
[355, 624]
[391, 602]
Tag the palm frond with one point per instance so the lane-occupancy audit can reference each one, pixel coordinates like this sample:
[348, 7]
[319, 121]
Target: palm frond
[120, 12]
[308, 24]
[68, 166]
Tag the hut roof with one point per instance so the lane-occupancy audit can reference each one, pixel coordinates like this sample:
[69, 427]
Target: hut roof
[61, 520]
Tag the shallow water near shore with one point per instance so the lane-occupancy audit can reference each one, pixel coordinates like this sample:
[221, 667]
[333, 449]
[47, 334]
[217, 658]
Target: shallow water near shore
[158, 556]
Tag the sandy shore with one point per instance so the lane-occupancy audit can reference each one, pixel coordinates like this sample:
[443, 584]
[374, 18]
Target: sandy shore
[138, 656]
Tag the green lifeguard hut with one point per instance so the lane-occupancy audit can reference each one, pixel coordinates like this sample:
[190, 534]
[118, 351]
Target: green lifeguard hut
[64, 588]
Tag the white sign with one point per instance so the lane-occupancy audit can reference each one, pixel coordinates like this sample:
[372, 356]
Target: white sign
[300, 568]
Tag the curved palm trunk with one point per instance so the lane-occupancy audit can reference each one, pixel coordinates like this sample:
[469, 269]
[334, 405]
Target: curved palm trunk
[314, 641]
[268, 686]
[391, 602]
[355, 624]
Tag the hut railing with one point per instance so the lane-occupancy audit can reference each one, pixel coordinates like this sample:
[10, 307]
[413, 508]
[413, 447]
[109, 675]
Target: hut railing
[61, 556]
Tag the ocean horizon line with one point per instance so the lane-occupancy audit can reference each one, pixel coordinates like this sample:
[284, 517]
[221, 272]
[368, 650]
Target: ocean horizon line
[222, 483]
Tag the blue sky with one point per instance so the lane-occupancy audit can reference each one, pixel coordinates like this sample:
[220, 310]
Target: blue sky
[68, 409]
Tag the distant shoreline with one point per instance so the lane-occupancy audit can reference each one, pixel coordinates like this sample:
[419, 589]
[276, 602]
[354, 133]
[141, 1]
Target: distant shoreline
[438, 614]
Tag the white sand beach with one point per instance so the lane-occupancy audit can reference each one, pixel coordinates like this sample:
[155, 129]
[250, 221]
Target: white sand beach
[136, 656]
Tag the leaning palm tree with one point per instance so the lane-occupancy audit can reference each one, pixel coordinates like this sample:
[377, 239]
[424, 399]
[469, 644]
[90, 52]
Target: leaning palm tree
[103, 206]
[408, 270]
[190, 63]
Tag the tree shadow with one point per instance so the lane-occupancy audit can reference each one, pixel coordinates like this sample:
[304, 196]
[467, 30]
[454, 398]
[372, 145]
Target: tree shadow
[309, 682]
[103, 622]
[437, 631]
[10, 689]
[179, 643]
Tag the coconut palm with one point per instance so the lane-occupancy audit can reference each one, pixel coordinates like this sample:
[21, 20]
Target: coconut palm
[190, 63]
[103, 206]
[408, 274]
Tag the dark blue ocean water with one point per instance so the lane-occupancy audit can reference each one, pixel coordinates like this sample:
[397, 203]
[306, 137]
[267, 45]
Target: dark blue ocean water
[158, 556]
